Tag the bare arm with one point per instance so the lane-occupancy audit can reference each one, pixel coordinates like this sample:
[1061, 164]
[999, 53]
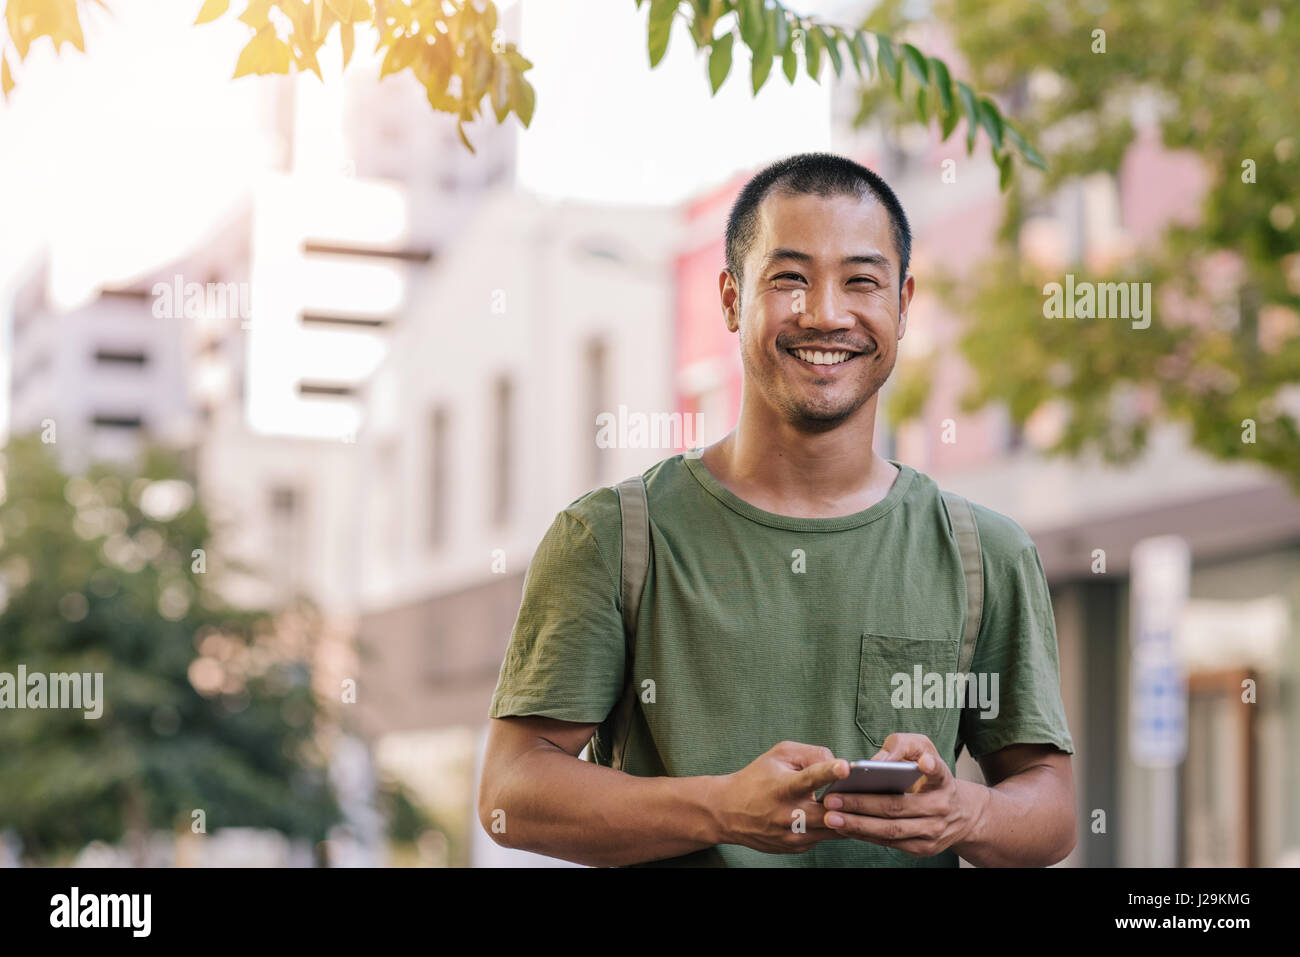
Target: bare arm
[537, 795]
[1025, 816]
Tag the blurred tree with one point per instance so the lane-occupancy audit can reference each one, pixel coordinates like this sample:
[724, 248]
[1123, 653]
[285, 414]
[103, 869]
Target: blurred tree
[1222, 352]
[459, 55]
[205, 707]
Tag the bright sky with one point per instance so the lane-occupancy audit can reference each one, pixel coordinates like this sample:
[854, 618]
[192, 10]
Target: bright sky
[121, 158]
[611, 129]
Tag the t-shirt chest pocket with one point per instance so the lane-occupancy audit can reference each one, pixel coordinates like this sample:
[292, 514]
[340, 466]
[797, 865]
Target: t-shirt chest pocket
[896, 686]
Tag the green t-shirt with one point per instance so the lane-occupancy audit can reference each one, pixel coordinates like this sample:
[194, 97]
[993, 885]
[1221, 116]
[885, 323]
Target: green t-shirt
[756, 628]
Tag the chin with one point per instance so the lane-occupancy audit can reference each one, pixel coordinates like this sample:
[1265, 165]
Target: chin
[820, 417]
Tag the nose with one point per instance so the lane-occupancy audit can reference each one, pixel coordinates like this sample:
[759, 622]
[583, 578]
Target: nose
[825, 308]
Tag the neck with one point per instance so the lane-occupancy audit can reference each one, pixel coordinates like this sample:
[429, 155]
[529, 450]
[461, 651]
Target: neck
[784, 469]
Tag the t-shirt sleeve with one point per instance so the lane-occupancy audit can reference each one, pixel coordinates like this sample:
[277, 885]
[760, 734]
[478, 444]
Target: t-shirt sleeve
[566, 652]
[1017, 647]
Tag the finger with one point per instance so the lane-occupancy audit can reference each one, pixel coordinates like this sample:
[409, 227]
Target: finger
[935, 772]
[815, 817]
[886, 805]
[817, 775]
[904, 746]
[918, 748]
[800, 756]
[885, 831]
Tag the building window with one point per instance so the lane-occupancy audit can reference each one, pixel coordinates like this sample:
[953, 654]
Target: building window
[438, 445]
[117, 421]
[502, 450]
[121, 357]
[596, 360]
[284, 542]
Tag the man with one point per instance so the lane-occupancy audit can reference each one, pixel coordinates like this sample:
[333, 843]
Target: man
[798, 582]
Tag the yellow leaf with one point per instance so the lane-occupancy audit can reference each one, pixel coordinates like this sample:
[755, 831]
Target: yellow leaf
[350, 11]
[257, 13]
[463, 138]
[349, 39]
[6, 78]
[306, 60]
[401, 54]
[69, 25]
[265, 53]
[211, 9]
[20, 24]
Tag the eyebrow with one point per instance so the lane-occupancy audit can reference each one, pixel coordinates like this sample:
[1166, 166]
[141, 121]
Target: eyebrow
[781, 253]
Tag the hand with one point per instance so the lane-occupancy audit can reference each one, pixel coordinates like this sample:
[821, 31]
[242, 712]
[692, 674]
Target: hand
[938, 812]
[758, 805]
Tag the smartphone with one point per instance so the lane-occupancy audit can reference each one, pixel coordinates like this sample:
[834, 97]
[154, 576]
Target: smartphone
[876, 777]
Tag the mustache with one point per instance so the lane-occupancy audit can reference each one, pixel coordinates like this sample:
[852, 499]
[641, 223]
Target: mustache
[865, 348]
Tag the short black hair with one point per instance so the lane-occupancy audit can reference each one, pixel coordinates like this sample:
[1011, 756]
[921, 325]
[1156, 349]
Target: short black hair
[820, 174]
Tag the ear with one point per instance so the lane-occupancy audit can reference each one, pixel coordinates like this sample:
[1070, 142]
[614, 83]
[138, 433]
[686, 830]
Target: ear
[729, 291]
[904, 302]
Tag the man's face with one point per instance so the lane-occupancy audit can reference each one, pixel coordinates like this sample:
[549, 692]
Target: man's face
[822, 276]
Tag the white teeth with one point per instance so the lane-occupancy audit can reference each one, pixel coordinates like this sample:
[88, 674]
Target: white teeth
[822, 358]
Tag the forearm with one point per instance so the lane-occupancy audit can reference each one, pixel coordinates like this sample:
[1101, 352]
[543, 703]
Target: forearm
[555, 804]
[1026, 820]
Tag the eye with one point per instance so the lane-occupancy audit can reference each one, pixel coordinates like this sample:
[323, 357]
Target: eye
[864, 279]
[788, 275]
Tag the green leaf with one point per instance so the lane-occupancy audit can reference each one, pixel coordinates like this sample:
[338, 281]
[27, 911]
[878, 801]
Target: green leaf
[720, 60]
[1030, 154]
[917, 63]
[211, 9]
[662, 13]
[967, 98]
[1004, 170]
[812, 52]
[948, 121]
[991, 120]
[942, 82]
[860, 54]
[761, 65]
[889, 65]
[778, 27]
[922, 105]
[829, 42]
[752, 27]
[790, 63]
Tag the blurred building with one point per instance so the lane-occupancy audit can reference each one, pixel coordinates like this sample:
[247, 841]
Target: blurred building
[146, 360]
[480, 426]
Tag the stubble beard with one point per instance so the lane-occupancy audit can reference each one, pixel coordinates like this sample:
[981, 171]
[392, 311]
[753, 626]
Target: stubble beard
[815, 413]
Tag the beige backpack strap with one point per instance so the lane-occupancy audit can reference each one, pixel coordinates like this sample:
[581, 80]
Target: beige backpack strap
[634, 511]
[972, 566]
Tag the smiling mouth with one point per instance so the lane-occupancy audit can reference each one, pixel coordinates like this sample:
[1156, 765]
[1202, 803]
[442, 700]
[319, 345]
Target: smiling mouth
[824, 359]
